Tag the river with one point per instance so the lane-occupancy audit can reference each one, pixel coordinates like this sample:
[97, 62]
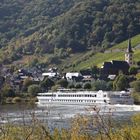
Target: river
[60, 116]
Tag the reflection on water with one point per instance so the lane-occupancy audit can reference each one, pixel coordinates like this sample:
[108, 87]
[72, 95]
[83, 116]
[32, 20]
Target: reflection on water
[60, 115]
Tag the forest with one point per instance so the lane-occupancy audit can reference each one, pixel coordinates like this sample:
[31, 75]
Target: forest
[63, 27]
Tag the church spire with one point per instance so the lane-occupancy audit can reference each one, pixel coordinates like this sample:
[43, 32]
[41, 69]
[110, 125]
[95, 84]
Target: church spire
[129, 53]
[129, 48]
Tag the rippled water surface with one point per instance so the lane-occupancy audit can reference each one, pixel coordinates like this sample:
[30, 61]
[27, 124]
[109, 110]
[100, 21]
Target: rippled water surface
[60, 115]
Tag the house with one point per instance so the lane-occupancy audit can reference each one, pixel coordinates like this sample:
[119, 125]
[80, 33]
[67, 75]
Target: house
[73, 76]
[87, 75]
[24, 74]
[111, 77]
[50, 74]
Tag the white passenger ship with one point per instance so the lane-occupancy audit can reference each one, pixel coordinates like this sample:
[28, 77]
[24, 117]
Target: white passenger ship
[85, 97]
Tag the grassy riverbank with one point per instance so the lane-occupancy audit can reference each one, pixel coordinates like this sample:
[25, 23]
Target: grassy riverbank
[19, 100]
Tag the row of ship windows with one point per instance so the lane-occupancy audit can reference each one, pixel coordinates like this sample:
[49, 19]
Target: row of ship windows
[73, 101]
[72, 95]
[77, 95]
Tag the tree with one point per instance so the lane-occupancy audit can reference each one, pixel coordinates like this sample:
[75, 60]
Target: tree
[110, 86]
[27, 82]
[138, 63]
[63, 83]
[132, 70]
[7, 91]
[87, 86]
[71, 85]
[99, 85]
[47, 83]
[95, 71]
[120, 83]
[78, 86]
[136, 97]
[136, 86]
[34, 89]
[138, 76]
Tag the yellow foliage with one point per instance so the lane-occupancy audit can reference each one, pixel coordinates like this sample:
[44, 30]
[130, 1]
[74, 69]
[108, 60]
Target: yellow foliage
[37, 131]
[138, 76]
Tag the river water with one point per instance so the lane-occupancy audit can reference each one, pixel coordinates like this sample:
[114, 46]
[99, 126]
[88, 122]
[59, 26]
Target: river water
[60, 116]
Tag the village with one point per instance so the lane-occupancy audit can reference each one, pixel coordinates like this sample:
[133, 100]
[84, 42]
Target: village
[37, 79]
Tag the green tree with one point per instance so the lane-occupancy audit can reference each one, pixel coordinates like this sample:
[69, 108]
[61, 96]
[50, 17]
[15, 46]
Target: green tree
[71, 85]
[120, 83]
[99, 85]
[110, 86]
[34, 89]
[63, 83]
[47, 83]
[138, 76]
[138, 63]
[7, 91]
[132, 70]
[136, 97]
[136, 86]
[95, 71]
[78, 86]
[27, 82]
[87, 86]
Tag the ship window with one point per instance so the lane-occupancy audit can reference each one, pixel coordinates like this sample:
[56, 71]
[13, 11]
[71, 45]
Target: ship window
[93, 95]
[105, 95]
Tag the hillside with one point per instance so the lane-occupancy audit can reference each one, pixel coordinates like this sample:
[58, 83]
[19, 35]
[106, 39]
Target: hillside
[89, 59]
[48, 32]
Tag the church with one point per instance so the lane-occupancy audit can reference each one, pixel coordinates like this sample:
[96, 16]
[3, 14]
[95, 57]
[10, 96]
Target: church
[129, 54]
[115, 66]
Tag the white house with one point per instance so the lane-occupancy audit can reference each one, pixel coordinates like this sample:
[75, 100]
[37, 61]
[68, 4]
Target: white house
[70, 75]
[50, 74]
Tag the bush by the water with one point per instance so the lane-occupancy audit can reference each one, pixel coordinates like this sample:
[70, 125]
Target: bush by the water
[16, 100]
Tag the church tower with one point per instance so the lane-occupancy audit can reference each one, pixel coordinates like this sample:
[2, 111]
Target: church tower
[129, 54]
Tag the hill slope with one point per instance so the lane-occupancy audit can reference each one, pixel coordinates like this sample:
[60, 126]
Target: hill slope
[117, 52]
[59, 28]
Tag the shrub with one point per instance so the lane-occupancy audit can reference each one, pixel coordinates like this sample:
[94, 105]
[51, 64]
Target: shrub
[33, 89]
[9, 100]
[120, 83]
[78, 86]
[136, 97]
[26, 83]
[47, 83]
[16, 100]
[7, 91]
[132, 70]
[136, 86]
[87, 86]
[138, 76]
[99, 85]
[55, 87]
[63, 83]
[71, 86]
